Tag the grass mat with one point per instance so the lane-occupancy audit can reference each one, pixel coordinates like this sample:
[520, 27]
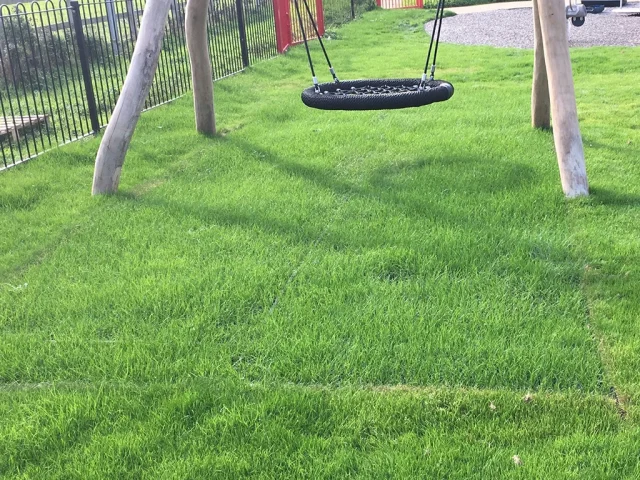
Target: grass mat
[323, 294]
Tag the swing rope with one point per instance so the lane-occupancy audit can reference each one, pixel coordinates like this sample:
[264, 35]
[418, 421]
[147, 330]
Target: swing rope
[319, 37]
[435, 52]
[306, 44]
[437, 24]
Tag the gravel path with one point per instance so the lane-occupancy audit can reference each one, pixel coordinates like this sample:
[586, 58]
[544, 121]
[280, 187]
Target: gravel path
[514, 28]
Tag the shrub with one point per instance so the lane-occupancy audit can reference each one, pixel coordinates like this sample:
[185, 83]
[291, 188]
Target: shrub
[337, 12]
[29, 54]
[99, 47]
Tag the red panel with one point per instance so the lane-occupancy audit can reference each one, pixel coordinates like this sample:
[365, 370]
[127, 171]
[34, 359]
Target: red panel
[282, 14]
[296, 32]
[287, 25]
[320, 16]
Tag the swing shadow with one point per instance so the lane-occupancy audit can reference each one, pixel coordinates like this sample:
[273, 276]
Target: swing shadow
[631, 151]
[495, 174]
[612, 198]
[476, 248]
[379, 186]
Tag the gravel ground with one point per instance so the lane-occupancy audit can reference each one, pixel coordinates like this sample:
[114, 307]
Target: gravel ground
[514, 28]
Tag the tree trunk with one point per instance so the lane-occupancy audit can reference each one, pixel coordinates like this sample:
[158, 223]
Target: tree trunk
[201, 72]
[135, 90]
[566, 130]
[540, 102]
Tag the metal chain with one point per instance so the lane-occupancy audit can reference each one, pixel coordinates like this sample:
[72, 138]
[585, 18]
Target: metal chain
[306, 46]
[437, 24]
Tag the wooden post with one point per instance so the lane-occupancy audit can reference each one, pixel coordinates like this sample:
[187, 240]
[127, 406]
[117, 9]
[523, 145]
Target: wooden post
[566, 130]
[124, 118]
[540, 103]
[201, 72]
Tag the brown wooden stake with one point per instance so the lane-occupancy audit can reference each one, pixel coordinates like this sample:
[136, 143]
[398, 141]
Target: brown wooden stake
[135, 90]
[201, 72]
[566, 130]
[540, 102]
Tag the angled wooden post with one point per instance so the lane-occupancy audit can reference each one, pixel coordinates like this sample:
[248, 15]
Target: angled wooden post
[566, 130]
[144, 62]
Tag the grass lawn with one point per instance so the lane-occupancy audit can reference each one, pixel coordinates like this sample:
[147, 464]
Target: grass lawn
[392, 294]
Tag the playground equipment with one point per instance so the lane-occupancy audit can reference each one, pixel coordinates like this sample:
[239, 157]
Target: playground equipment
[553, 94]
[201, 73]
[144, 62]
[375, 94]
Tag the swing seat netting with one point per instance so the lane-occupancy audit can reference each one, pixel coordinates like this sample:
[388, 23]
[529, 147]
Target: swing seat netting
[382, 94]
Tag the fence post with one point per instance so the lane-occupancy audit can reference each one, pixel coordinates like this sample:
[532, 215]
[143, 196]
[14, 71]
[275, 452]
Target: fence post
[131, 19]
[320, 16]
[419, 3]
[112, 21]
[282, 14]
[243, 34]
[83, 53]
[174, 7]
[353, 9]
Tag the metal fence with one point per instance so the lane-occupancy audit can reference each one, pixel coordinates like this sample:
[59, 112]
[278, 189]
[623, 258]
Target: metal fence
[337, 12]
[62, 64]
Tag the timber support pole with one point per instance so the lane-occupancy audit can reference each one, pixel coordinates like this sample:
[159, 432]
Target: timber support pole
[566, 129]
[123, 121]
[201, 71]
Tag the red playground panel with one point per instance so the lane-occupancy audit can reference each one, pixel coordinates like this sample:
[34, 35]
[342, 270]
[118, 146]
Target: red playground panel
[288, 30]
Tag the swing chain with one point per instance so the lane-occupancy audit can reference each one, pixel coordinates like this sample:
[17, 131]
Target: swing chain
[437, 24]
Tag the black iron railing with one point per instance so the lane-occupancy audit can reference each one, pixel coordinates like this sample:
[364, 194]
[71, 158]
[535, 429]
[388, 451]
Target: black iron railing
[63, 62]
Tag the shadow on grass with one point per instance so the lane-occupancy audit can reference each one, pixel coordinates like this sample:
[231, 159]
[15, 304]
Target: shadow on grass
[612, 198]
[450, 175]
[468, 176]
[630, 150]
[417, 189]
[494, 175]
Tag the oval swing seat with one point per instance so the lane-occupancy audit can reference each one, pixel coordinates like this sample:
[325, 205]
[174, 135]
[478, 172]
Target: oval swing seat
[377, 94]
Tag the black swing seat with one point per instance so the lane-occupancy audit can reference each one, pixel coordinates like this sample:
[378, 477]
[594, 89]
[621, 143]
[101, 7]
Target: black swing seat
[377, 94]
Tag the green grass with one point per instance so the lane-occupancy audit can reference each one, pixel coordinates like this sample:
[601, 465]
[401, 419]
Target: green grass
[330, 294]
